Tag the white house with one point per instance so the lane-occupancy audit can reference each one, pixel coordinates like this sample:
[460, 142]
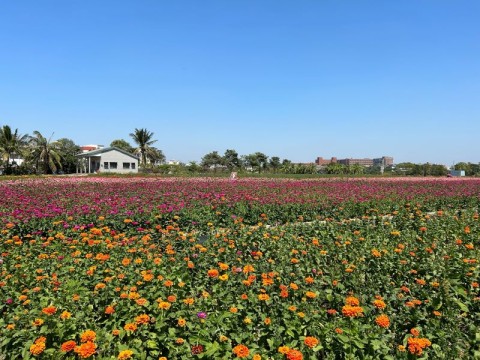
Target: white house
[107, 160]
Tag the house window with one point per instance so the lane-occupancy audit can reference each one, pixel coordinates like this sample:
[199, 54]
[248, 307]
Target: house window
[105, 165]
[133, 165]
[113, 165]
[126, 166]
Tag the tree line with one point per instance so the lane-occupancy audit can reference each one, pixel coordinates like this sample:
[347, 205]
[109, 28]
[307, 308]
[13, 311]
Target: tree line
[42, 155]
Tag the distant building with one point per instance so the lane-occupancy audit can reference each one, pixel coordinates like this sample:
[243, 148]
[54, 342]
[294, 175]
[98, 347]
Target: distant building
[87, 148]
[350, 162]
[107, 160]
[383, 161]
[321, 161]
[457, 173]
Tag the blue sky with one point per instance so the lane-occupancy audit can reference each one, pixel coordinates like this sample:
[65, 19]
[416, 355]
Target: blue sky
[294, 79]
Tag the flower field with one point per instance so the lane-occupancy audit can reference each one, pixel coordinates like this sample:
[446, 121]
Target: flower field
[153, 268]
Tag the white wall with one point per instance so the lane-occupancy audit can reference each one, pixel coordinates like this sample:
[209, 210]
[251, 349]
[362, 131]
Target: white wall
[119, 158]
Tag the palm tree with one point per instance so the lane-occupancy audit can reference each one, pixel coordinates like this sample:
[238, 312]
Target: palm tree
[45, 152]
[11, 143]
[143, 138]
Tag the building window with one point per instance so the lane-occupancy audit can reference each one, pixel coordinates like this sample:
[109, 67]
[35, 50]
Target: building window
[126, 166]
[133, 165]
[113, 165]
[105, 165]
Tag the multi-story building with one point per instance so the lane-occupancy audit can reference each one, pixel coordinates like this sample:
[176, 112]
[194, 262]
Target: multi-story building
[384, 160]
[321, 161]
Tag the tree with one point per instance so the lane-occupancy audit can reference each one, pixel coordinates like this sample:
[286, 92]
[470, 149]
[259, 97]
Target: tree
[231, 159]
[212, 159]
[155, 156]
[274, 163]
[257, 161]
[143, 138]
[67, 149]
[11, 143]
[45, 153]
[124, 145]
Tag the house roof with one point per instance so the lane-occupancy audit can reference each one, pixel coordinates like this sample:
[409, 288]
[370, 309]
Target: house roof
[104, 150]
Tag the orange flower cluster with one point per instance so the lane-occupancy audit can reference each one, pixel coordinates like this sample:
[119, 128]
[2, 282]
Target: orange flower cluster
[38, 346]
[416, 345]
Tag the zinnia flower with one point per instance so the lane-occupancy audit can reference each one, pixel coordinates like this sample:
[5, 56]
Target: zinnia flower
[383, 321]
[49, 310]
[293, 354]
[68, 346]
[352, 311]
[311, 341]
[86, 350]
[37, 349]
[88, 335]
[241, 351]
[125, 355]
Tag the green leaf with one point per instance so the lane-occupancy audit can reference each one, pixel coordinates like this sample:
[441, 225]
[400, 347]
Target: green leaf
[462, 306]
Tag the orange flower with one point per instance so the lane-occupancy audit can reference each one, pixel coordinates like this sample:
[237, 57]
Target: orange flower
[311, 341]
[171, 298]
[38, 322]
[130, 327]
[309, 280]
[416, 345]
[88, 335]
[383, 321]
[168, 283]
[212, 273]
[310, 295]
[241, 351]
[109, 310]
[188, 301]
[181, 322]
[115, 332]
[294, 355]
[86, 350]
[352, 300]
[164, 305]
[37, 348]
[233, 310]
[263, 297]
[414, 332]
[267, 321]
[338, 330]
[352, 311]
[49, 310]
[379, 304]
[142, 319]
[283, 349]
[68, 346]
[65, 315]
[141, 301]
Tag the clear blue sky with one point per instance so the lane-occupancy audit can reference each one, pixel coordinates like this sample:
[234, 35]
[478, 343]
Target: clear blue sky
[294, 79]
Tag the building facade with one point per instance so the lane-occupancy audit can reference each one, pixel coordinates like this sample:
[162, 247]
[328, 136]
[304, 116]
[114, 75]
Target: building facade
[383, 161]
[107, 160]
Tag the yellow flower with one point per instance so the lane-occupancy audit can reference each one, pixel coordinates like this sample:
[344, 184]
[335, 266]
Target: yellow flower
[125, 355]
